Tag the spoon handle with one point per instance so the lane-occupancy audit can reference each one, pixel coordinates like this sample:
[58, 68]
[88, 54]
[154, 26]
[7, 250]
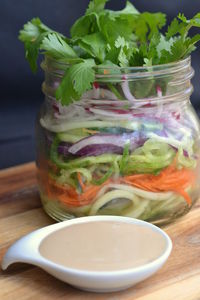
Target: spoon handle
[24, 250]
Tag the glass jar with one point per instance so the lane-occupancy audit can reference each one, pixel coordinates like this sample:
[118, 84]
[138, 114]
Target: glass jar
[129, 147]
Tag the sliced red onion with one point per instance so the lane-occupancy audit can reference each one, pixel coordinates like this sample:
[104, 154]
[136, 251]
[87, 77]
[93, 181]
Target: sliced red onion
[96, 149]
[159, 91]
[63, 148]
[120, 111]
[128, 94]
[95, 85]
[135, 139]
[120, 114]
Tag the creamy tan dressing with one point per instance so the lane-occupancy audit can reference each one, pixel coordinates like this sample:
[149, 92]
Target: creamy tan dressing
[103, 246]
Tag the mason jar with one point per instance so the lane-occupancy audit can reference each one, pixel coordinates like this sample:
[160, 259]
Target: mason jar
[128, 147]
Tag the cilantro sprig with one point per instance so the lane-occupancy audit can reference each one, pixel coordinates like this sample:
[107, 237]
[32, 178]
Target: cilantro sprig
[108, 38]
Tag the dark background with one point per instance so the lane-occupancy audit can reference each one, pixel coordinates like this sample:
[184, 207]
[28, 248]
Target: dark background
[21, 90]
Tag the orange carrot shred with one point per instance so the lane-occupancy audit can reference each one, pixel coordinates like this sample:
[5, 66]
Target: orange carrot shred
[169, 179]
[80, 180]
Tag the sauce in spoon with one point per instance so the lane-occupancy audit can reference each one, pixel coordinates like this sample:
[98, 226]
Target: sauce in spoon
[103, 246]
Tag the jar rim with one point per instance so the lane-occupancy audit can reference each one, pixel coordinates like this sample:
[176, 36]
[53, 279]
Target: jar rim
[143, 72]
[157, 66]
[58, 67]
[146, 68]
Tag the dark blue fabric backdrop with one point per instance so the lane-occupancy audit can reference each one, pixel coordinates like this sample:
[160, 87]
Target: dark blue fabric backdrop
[21, 90]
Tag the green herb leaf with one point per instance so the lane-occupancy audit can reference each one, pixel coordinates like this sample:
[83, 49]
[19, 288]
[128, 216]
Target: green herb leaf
[147, 24]
[173, 28]
[182, 25]
[55, 45]
[177, 49]
[129, 13]
[31, 54]
[150, 51]
[128, 10]
[104, 37]
[147, 62]
[164, 44]
[85, 25]
[31, 31]
[32, 35]
[65, 92]
[96, 6]
[190, 44]
[77, 79]
[125, 51]
[182, 18]
[112, 27]
[95, 45]
[83, 76]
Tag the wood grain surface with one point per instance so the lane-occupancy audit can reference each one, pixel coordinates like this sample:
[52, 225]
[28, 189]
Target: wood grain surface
[21, 213]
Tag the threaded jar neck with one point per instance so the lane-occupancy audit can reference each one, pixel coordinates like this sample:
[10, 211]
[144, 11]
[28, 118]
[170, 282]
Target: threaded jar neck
[173, 80]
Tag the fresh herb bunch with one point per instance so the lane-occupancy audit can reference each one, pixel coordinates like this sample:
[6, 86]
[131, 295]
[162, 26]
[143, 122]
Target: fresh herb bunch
[108, 38]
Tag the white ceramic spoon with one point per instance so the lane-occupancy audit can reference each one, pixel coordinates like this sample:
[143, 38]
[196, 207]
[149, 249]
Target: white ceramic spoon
[27, 250]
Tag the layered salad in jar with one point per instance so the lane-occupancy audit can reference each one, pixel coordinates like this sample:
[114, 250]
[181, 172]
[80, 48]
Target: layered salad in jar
[117, 134]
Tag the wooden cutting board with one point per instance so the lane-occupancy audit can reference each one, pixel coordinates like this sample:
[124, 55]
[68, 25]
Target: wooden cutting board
[21, 212]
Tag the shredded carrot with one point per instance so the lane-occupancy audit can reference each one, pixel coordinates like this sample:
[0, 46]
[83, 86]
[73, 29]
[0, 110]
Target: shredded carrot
[80, 181]
[72, 201]
[169, 179]
[90, 193]
[69, 195]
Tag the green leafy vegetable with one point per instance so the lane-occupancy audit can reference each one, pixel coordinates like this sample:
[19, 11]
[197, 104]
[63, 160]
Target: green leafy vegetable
[77, 79]
[85, 25]
[96, 6]
[181, 44]
[125, 51]
[32, 36]
[102, 37]
[147, 24]
[55, 45]
[111, 28]
[128, 11]
[95, 45]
